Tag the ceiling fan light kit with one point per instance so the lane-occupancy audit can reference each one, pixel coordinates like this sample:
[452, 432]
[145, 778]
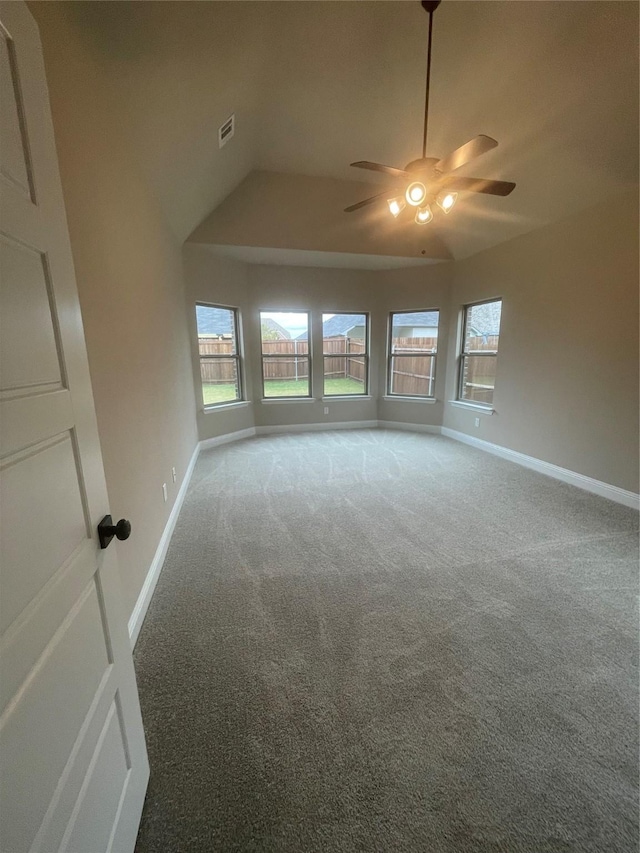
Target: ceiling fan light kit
[396, 206]
[446, 200]
[429, 177]
[424, 215]
[416, 193]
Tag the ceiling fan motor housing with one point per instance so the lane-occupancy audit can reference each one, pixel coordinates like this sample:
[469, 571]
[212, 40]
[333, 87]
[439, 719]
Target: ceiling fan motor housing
[422, 164]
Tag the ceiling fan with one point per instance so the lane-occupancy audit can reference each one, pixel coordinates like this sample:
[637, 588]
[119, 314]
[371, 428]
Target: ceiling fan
[429, 179]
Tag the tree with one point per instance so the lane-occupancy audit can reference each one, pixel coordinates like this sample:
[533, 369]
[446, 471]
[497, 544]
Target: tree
[268, 334]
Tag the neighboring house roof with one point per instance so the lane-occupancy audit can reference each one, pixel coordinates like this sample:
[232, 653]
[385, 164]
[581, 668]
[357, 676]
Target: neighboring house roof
[342, 324]
[429, 319]
[339, 324]
[219, 321]
[214, 321]
[273, 326]
[485, 319]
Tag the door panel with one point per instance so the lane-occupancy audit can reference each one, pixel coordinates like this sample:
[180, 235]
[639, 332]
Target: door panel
[28, 349]
[62, 687]
[43, 485]
[28, 636]
[14, 157]
[73, 764]
[34, 418]
[103, 790]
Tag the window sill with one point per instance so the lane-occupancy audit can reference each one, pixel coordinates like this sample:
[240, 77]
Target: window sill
[475, 407]
[393, 398]
[269, 400]
[216, 407]
[339, 397]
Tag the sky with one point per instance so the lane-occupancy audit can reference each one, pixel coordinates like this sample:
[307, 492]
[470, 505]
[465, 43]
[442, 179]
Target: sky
[294, 323]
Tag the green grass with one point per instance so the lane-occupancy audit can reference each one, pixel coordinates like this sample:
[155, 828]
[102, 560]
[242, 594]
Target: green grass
[281, 388]
[343, 385]
[286, 388]
[218, 393]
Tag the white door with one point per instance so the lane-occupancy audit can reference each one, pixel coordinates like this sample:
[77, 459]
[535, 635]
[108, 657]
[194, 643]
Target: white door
[73, 761]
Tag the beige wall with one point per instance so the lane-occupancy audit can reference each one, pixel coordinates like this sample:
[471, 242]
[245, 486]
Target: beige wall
[221, 281]
[275, 288]
[251, 288]
[567, 386]
[567, 379]
[418, 289]
[129, 271]
[568, 370]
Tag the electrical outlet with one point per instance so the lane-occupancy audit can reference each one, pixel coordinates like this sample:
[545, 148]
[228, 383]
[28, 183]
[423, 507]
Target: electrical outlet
[165, 493]
[173, 474]
[326, 410]
[477, 422]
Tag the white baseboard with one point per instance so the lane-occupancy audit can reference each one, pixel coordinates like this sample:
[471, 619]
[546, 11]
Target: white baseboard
[597, 487]
[149, 585]
[206, 443]
[430, 428]
[278, 428]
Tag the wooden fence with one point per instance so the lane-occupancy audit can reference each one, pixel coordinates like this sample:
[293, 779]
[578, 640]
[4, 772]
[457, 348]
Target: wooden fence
[479, 376]
[286, 368]
[347, 364]
[216, 371]
[413, 366]
[413, 371]
[220, 371]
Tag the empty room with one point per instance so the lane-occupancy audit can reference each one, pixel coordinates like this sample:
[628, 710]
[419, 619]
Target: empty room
[319, 438]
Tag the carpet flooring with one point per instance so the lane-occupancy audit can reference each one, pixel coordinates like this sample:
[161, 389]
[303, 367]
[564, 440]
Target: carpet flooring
[382, 641]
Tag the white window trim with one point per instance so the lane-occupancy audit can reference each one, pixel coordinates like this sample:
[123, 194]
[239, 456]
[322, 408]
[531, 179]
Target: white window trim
[390, 356]
[278, 400]
[476, 407]
[308, 356]
[461, 401]
[366, 355]
[238, 356]
[234, 404]
[346, 397]
[395, 397]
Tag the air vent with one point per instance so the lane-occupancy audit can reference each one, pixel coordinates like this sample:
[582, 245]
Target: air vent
[226, 130]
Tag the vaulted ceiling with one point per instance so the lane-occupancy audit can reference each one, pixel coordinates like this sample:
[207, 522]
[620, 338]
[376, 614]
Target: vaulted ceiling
[316, 85]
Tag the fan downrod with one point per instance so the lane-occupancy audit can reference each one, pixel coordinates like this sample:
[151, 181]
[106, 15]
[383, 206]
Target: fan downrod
[433, 171]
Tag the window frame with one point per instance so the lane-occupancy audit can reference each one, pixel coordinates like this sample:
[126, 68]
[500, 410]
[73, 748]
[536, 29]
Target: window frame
[391, 355]
[463, 354]
[290, 397]
[238, 356]
[364, 355]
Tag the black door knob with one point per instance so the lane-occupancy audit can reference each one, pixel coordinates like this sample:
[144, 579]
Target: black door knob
[123, 529]
[107, 530]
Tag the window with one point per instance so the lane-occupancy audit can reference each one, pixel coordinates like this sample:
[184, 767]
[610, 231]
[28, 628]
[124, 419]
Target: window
[219, 351]
[479, 356]
[345, 351]
[413, 344]
[285, 354]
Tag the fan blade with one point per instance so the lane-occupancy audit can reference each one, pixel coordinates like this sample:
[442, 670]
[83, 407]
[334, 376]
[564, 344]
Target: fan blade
[471, 149]
[367, 201]
[378, 167]
[480, 185]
